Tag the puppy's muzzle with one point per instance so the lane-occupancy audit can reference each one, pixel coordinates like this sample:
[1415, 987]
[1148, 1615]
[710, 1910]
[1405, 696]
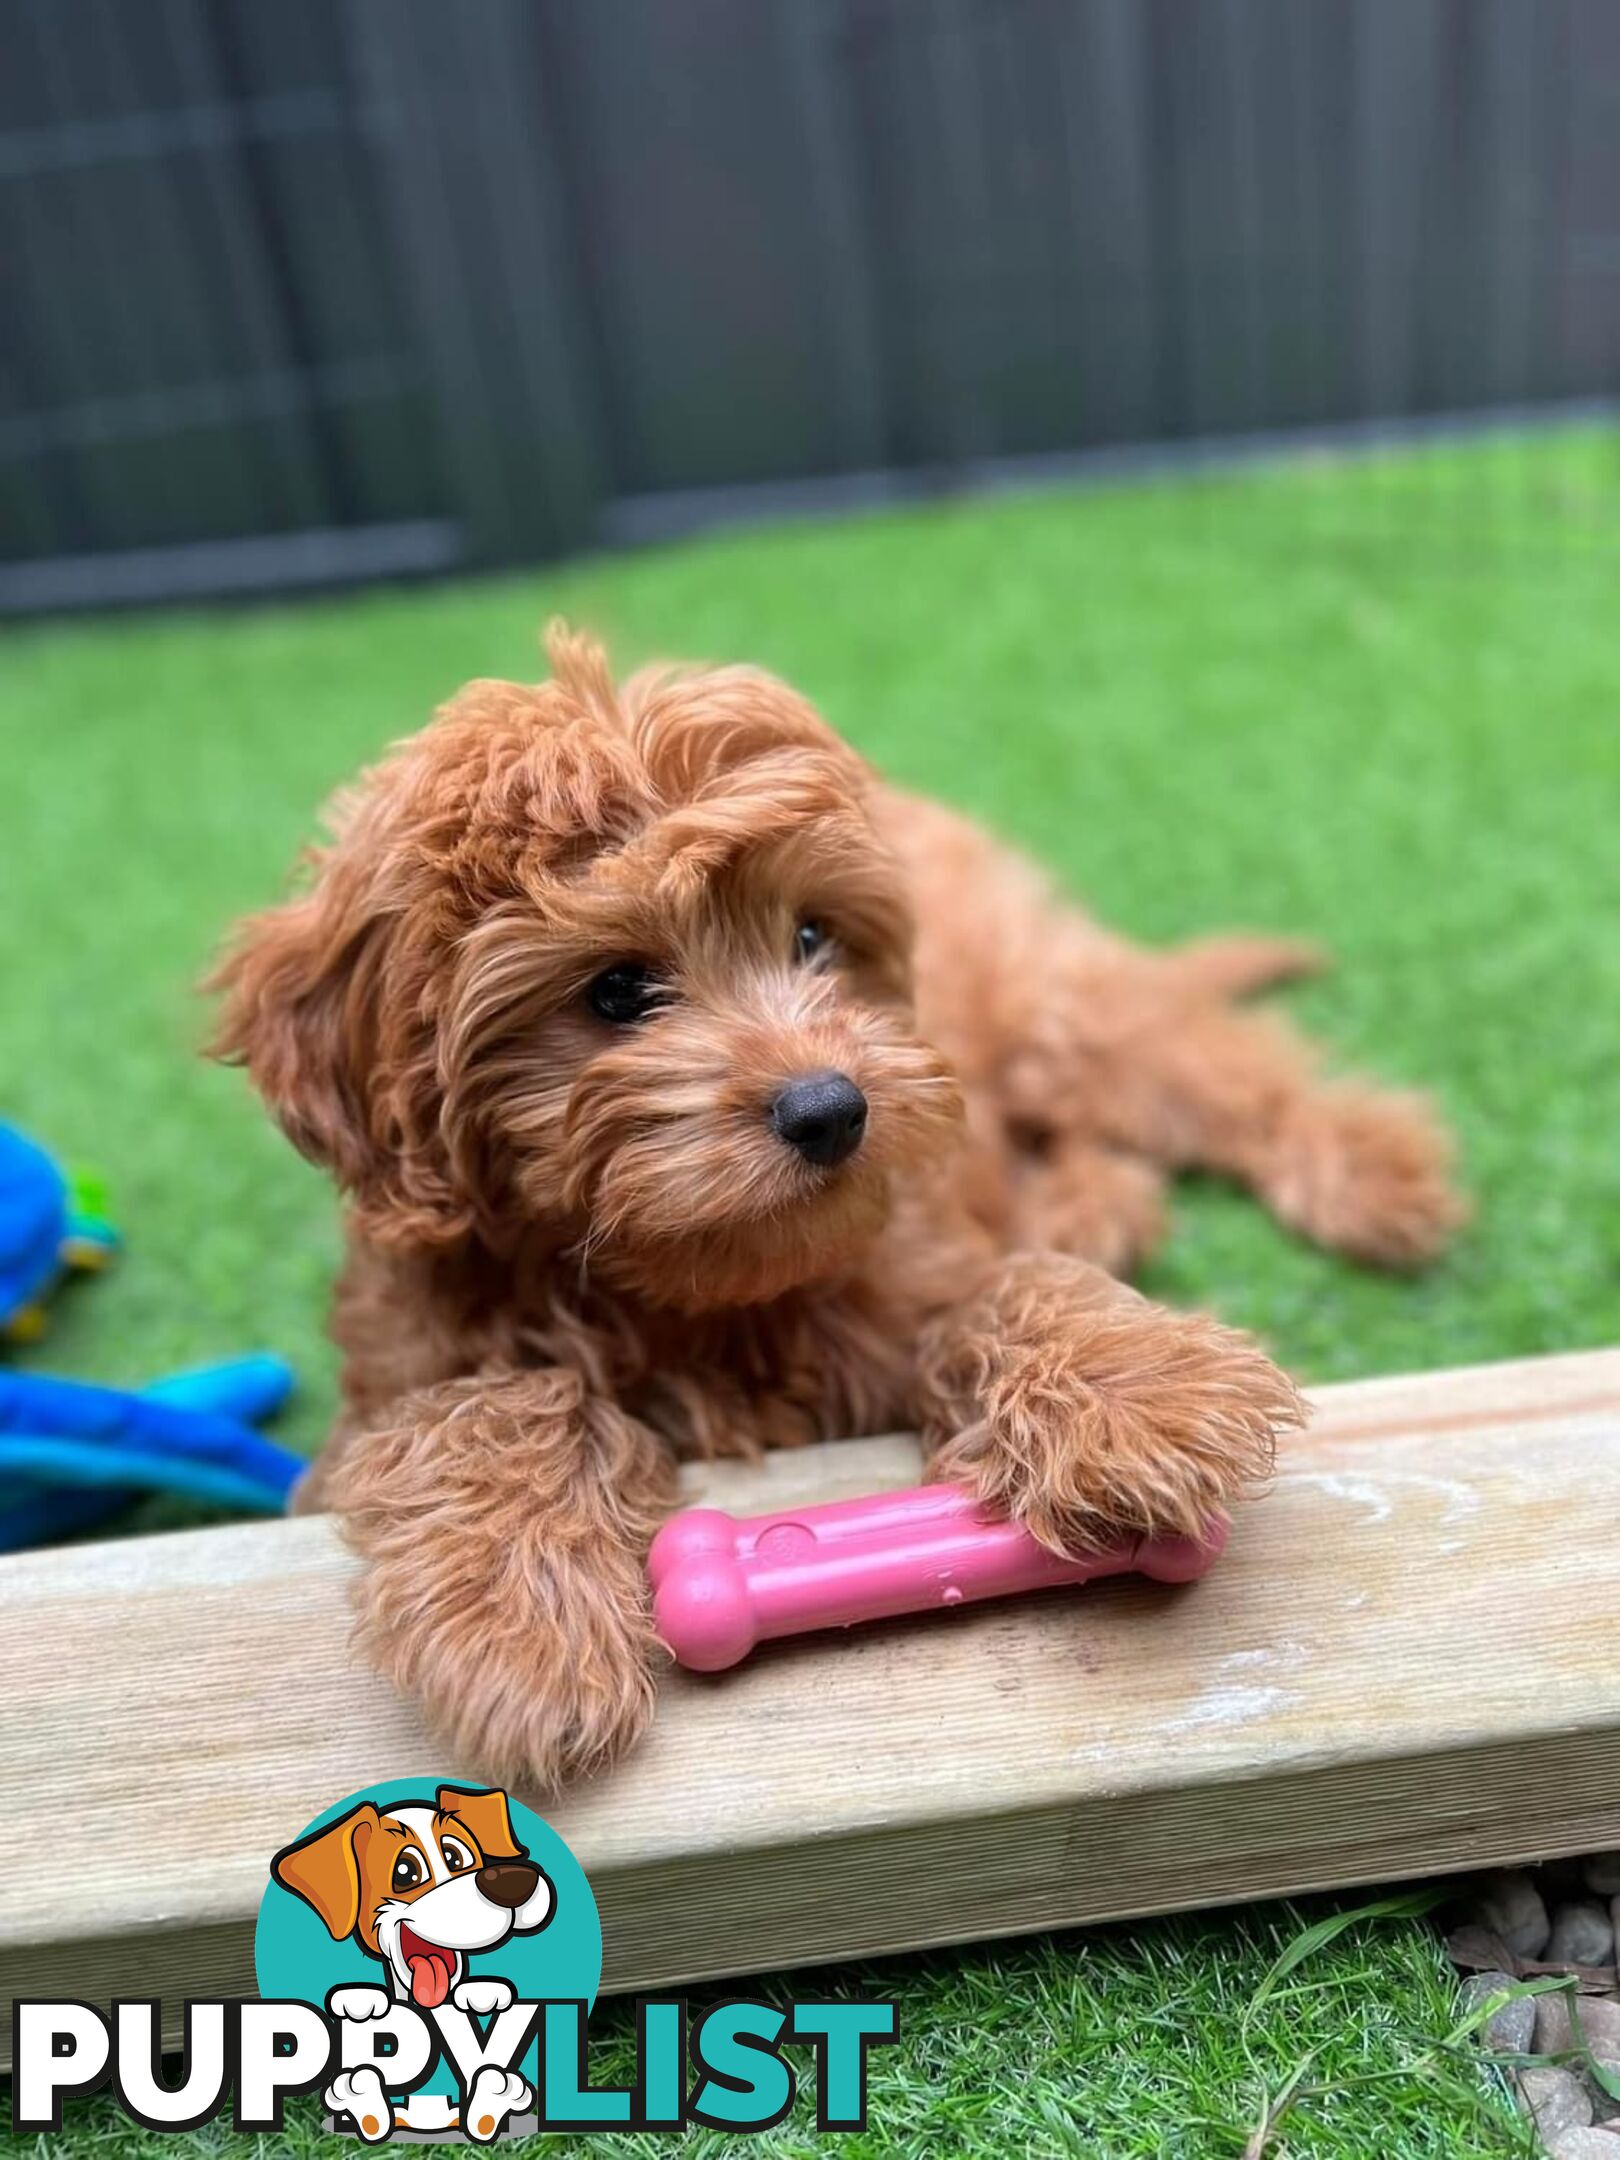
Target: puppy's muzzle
[822, 1116]
[508, 1883]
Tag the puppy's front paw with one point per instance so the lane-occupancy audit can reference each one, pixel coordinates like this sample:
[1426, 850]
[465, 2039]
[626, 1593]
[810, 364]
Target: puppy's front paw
[506, 1521]
[495, 2096]
[1124, 1419]
[540, 1676]
[356, 2004]
[1368, 1173]
[359, 2095]
[483, 1998]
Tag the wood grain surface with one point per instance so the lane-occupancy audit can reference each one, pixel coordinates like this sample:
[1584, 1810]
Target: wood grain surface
[1406, 1663]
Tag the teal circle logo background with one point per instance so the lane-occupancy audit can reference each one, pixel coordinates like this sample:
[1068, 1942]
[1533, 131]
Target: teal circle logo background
[294, 1957]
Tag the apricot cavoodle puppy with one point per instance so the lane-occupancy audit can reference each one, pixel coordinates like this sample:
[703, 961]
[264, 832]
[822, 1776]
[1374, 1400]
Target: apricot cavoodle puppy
[694, 1092]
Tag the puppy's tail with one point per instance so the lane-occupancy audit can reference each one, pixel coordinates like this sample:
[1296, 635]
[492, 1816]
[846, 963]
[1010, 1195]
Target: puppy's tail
[1242, 964]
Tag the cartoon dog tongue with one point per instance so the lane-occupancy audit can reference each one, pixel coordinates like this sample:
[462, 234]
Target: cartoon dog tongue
[431, 1970]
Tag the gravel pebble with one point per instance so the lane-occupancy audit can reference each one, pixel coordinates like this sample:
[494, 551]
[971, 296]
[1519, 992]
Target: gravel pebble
[1582, 1934]
[1557, 2100]
[1509, 2030]
[1583, 2143]
[1602, 1873]
[1511, 1906]
[1600, 2026]
[1599, 2017]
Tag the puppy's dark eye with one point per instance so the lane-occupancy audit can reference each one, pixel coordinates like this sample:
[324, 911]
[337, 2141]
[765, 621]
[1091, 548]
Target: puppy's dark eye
[623, 994]
[809, 939]
[407, 1871]
[456, 1857]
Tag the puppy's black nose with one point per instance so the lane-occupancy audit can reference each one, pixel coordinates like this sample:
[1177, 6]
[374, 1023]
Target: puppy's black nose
[823, 1116]
[508, 1882]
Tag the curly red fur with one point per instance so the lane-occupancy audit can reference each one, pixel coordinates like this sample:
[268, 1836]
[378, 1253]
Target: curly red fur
[579, 1251]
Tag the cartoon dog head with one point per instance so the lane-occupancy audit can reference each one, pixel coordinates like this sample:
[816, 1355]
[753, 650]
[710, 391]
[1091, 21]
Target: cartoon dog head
[420, 1885]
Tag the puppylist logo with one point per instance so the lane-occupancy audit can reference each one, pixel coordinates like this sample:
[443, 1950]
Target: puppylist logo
[427, 1958]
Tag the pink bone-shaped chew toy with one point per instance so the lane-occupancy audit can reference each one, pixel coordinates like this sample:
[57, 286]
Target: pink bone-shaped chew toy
[722, 1583]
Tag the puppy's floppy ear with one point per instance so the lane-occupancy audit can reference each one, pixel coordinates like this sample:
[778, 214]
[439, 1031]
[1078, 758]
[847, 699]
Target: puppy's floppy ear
[324, 1870]
[299, 986]
[334, 1045]
[487, 1816]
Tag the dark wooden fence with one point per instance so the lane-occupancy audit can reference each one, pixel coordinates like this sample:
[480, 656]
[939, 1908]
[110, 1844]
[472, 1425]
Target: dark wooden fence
[313, 289]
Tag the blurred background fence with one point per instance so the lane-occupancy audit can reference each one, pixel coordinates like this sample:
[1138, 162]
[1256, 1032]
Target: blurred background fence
[303, 291]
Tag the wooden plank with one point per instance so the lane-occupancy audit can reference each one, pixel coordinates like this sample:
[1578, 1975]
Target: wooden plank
[1404, 1665]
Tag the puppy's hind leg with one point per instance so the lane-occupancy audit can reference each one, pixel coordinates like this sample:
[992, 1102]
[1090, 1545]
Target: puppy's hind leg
[1362, 1169]
[505, 1524]
[1094, 1203]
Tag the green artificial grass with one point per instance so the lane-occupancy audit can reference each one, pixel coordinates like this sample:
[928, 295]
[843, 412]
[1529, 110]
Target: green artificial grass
[1378, 704]
[1155, 2043]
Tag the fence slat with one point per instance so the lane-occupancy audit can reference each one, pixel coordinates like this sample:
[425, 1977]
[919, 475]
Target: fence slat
[549, 270]
[1589, 238]
[315, 191]
[1397, 103]
[817, 37]
[697, 232]
[453, 94]
[1099, 63]
[249, 287]
[108, 289]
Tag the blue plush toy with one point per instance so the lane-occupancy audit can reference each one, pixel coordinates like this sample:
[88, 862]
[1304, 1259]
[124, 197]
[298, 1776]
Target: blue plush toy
[47, 1226]
[71, 1455]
